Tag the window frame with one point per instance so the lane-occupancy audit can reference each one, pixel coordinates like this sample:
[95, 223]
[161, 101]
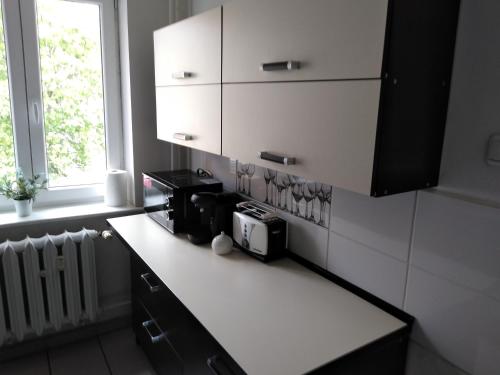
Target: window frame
[23, 65]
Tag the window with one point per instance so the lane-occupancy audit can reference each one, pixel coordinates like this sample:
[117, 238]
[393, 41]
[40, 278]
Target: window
[59, 80]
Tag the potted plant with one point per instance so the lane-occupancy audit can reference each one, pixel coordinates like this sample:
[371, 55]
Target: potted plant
[22, 190]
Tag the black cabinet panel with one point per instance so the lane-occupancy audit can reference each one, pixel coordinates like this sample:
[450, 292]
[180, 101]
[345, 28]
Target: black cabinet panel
[177, 343]
[191, 346]
[153, 340]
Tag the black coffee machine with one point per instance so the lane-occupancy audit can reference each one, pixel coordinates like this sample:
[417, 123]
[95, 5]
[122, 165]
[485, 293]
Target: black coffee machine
[216, 215]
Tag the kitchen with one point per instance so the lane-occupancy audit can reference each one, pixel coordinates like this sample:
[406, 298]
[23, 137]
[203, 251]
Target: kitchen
[417, 266]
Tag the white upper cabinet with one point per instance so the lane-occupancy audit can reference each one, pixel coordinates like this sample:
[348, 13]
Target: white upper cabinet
[325, 130]
[189, 52]
[353, 93]
[290, 40]
[190, 116]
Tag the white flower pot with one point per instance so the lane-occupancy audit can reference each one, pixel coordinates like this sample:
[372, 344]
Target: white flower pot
[24, 207]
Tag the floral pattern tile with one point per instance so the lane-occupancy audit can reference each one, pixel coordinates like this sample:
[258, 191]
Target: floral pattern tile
[308, 200]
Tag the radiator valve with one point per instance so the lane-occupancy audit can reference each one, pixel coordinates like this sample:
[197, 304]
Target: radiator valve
[107, 234]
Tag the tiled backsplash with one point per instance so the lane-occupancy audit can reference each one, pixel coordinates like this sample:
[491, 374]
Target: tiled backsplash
[430, 254]
[304, 199]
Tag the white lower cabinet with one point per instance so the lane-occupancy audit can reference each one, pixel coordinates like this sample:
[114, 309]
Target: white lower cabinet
[190, 116]
[329, 128]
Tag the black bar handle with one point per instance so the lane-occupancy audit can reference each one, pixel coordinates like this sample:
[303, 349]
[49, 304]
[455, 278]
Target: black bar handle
[280, 65]
[154, 339]
[183, 136]
[264, 155]
[218, 366]
[182, 75]
[152, 288]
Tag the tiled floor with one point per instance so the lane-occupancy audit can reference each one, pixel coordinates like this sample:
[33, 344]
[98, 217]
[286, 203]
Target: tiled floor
[114, 353]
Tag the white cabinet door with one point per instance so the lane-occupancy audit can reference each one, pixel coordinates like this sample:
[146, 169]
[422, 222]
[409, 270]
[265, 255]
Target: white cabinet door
[329, 127]
[190, 116]
[189, 52]
[331, 39]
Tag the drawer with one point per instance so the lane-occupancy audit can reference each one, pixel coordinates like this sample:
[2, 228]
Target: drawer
[182, 334]
[329, 127]
[200, 353]
[149, 290]
[154, 343]
[189, 52]
[190, 116]
[331, 39]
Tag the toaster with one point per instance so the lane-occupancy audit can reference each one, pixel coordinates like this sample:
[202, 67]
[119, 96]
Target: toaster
[259, 232]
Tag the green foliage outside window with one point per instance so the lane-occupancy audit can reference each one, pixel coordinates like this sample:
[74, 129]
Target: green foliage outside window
[7, 161]
[70, 63]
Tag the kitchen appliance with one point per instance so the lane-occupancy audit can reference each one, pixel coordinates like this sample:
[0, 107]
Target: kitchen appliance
[259, 231]
[215, 210]
[167, 198]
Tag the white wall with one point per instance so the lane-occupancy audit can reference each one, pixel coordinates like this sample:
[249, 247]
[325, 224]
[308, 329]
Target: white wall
[431, 253]
[142, 149]
[203, 5]
[474, 111]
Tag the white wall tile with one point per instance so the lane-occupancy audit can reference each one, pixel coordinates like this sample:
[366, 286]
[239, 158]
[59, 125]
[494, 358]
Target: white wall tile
[306, 239]
[458, 323]
[197, 159]
[220, 166]
[458, 240]
[381, 223]
[373, 271]
[422, 362]
[312, 211]
[255, 185]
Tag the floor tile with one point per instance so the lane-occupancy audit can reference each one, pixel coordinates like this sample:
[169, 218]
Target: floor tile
[81, 358]
[124, 356]
[33, 365]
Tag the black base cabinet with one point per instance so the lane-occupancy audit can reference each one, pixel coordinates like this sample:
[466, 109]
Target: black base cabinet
[176, 343]
[153, 340]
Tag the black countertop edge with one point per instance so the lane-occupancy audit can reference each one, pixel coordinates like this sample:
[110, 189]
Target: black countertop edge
[380, 303]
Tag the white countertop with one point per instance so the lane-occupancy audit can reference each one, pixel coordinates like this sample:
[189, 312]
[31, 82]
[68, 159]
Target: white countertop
[276, 318]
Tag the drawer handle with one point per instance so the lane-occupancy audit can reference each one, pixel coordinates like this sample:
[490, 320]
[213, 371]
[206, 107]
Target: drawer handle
[218, 366]
[152, 288]
[183, 136]
[154, 339]
[181, 75]
[280, 65]
[276, 158]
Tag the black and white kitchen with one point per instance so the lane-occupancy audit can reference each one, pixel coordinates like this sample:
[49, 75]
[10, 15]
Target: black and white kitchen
[261, 187]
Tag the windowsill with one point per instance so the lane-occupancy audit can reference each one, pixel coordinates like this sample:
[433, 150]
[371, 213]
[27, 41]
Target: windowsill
[73, 211]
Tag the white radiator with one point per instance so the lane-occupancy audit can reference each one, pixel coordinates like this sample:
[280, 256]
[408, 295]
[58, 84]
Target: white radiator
[46, 284]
